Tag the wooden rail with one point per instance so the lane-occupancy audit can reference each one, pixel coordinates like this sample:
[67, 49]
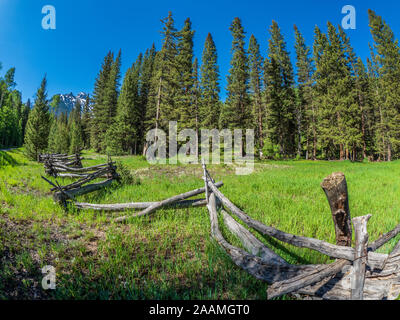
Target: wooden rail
[359, 273]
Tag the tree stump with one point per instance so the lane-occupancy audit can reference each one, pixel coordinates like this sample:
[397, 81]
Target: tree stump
[335, 188]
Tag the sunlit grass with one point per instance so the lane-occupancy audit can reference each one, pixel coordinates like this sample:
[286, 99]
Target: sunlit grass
[170, 254]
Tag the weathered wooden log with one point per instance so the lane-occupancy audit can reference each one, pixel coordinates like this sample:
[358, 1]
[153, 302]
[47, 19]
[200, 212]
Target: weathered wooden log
[335, 188]
[278, 289]
[331, 250]
[89, 177]
[166, 202]
[326, 248]
[139, 205]
[250, 242]
[384, 239]
[60, 197]
[379, 284]
[63, 168]
[360, 262]
[254, 265]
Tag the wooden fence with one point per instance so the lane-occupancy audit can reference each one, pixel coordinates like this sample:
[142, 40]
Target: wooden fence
[357, 273]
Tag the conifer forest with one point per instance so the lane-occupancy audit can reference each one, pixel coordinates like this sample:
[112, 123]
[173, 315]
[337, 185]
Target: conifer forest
[327, 105]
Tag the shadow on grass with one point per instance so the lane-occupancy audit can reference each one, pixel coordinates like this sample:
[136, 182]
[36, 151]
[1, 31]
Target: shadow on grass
[7, 160]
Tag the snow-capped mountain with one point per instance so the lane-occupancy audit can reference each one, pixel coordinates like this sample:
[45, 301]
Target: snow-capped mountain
[67, 102]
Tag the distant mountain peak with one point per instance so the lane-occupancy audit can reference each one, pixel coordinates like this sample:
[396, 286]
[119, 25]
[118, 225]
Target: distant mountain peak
[68, 100]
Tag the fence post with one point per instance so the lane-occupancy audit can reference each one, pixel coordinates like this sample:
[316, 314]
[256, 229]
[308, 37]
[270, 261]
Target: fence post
[358, 271]
[205, 178]
[335, 188]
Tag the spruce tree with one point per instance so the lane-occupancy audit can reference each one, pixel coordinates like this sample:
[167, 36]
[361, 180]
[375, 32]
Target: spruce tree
[209, 111]
[256, 88]
[38, 125]
[237, 109]
[306, 110]
[387, 60]
[280, 95]
[184, 61]
[86, 123]
[75, 128]
[100, 120]
[124, 133]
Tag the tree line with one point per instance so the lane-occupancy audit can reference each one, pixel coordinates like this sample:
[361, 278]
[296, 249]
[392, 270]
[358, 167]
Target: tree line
[13, 113]
[329, 105]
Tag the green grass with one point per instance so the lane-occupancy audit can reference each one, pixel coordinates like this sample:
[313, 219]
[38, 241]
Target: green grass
[170, 254]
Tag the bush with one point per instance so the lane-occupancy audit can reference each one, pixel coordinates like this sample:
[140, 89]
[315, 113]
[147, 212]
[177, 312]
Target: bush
[126, 177]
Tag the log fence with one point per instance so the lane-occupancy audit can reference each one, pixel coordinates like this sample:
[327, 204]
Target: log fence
[358, 272]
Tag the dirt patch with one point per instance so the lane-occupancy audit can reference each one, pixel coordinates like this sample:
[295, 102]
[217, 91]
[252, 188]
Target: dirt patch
[26, 246]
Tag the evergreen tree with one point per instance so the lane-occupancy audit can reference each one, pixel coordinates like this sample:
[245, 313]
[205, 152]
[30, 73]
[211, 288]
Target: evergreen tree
[306, 110]
[161, 102]
[124, 134]
[237, 109]
[388, 69]
[256, 88]
[38, 125]
[86, 123]
[209, 111]
[184, 62]
[280, 95]
[146, 75]
[75, 128]
[101, 120]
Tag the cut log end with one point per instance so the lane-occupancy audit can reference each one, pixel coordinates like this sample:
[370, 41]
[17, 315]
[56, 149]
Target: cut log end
[333, 181]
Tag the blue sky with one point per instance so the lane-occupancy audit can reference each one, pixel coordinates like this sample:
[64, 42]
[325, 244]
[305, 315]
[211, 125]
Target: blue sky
[72, 54]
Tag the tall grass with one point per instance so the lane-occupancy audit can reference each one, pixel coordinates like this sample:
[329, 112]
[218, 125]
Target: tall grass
[170, 254]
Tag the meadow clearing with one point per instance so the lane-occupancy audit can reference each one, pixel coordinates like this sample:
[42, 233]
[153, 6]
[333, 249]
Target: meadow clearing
[170, 254]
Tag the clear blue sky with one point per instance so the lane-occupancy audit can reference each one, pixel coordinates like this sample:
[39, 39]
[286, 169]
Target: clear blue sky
[72, 54]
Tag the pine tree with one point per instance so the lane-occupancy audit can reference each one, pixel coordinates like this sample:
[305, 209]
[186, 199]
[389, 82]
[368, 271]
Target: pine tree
[167, 75]
[280, 95]
[306, 110]
[184, 62]
[75, 128]
[237, 110]
[161, 102]
[365, 101]
[387, 60]
[209, 111]
[62, 139]
[124, 133]
[101, 121]
[146, 75]
[256, 88]
[86, 123]
[195, 99]
[38, 125]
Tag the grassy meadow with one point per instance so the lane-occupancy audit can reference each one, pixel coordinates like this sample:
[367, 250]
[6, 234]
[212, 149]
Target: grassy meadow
[170, 254]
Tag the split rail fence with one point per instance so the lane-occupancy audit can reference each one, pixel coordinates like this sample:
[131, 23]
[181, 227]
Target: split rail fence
[357, 273]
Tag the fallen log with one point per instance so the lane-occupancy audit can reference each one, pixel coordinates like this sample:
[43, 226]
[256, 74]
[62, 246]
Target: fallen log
[329, 249]
[278, 289]
[250, 242]
[165, 202]
[262, 270]
[384, 239]
[89, 177]
[80, 170]
[139, 205]
[60, 197]
[326, 248]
